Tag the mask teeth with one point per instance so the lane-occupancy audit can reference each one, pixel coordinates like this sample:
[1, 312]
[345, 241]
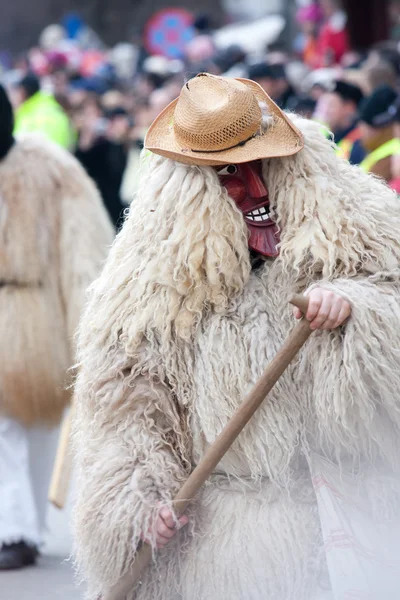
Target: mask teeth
[259, 214]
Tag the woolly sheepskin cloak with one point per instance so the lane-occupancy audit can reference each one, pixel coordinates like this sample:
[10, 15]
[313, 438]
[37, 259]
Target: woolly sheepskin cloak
[178, 329]
[54, 235]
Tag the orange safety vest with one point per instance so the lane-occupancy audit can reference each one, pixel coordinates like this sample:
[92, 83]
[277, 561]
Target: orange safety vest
[345, 146]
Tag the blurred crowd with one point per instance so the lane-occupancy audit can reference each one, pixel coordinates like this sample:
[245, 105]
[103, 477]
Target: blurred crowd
[99, 102]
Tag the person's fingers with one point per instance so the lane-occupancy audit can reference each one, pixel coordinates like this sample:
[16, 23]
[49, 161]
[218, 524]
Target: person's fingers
[314, 304]
[182, 521]
[297, 313]
[165, 527]
[333, 314]
[163, 530]
[344, 314]
[167, 516]
[324, 310]
[160, 541]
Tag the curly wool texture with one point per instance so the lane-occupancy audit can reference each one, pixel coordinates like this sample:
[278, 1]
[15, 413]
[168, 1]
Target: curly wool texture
[54, 236]
[183, 248]
[357, 405]
[176, 332]
[335, 221]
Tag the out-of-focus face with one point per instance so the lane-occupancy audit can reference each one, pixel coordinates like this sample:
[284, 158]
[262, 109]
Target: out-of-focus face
[317, 91]
[158, 100]
[118, 128]
[370, 136]
[273, 87]
[17, 96]
[77, 97]
[87, 116]
[339, 113]
[60, 82]
[367, 132]
[144, 87]
[91, 112]
[245, 185]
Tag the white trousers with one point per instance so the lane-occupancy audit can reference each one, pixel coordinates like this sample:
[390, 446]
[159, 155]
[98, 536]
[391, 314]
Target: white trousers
[26, 462]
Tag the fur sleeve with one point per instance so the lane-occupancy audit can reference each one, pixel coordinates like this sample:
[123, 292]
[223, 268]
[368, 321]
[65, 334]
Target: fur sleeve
[356, 373]
[86, 234]
[127, 462]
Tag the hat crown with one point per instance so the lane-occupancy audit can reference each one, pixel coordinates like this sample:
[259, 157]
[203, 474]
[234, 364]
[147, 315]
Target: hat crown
[214, 113]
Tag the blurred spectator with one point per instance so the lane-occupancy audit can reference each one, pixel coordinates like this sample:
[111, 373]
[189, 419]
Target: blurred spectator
[144, 116]
[394, 13]
[333, 42]
[385, 52]
[393, 114]
[200, 48]
[341, 115]
[102, 150]
[352, 59]
[60, 84]
[143, 120]
[357, 77]
[309, 18]
[203, 23]
[377, 132]
[379, 74]
[37, 111]
[228, 59]
[296, 73]
[273, 80]
[317, 91]
[304, 106]
[111, 95]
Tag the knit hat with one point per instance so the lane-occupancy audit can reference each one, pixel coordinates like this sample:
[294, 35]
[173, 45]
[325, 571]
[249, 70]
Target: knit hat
[374, 110]
[348, 91]
[6, 123]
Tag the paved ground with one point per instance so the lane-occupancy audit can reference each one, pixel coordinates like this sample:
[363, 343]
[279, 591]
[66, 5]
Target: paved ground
[52, 579]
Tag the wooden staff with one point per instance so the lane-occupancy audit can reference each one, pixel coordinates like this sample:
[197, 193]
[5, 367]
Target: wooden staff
[221, 445]
[62, 470]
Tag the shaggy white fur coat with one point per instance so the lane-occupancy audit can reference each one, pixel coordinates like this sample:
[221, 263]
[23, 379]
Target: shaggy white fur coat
[179, 328]
[54, 236]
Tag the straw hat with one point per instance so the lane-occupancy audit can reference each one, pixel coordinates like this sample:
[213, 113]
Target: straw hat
[218, 120]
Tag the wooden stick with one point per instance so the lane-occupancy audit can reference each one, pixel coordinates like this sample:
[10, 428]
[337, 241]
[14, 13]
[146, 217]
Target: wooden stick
[60, 480]
[224, 441]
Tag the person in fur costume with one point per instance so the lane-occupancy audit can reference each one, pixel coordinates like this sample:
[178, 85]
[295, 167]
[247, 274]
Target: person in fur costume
[240, 206]
[54, 235]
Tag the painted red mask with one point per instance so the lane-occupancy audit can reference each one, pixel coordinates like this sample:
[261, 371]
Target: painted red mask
[244, 184]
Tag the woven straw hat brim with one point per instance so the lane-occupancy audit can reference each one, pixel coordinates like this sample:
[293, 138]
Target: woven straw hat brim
[281, 139]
